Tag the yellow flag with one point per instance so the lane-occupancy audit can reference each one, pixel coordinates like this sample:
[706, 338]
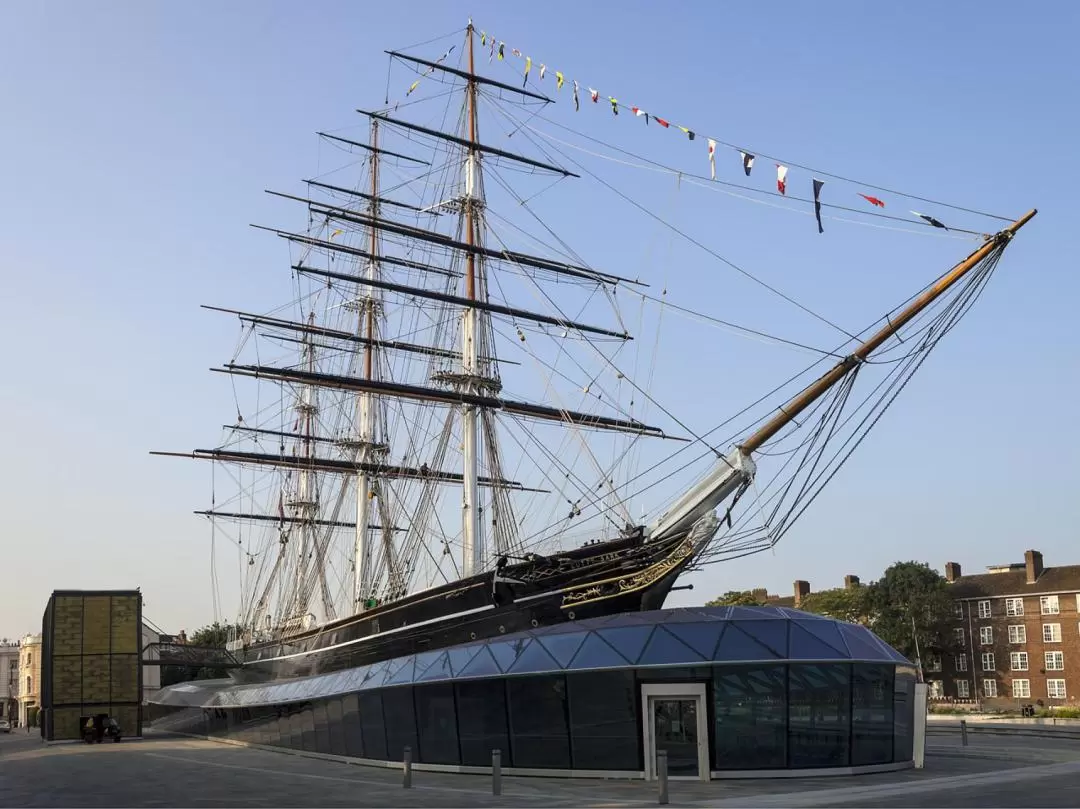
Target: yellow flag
[528, 66]
[336, 233]
[558, 79]
[412, 87]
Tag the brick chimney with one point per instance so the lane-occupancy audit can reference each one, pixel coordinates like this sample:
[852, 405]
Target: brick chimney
[1034, 564]
[952, 571]
[802, 590]
[851, 581]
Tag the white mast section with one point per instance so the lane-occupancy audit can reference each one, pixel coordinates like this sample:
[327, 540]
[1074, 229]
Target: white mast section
[365, 490]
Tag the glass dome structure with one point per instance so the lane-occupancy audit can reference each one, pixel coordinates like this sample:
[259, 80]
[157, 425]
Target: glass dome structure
[777, 688]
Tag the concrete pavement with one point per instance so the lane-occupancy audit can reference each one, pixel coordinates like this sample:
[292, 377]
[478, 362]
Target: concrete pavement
[177, 771]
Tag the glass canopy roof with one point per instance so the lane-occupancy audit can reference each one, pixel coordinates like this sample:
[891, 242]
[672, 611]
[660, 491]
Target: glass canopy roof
[662, 638]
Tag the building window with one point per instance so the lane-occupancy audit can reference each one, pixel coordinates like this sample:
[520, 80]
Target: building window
[984, 608]
[986, 635]
[988, 661]
[1055, 661]
[1049, 605]
[1051, 633]
[962, 689]
[958, 637]
[1018, 661]
[961, 662]
[1021, 689]
[936, 689]
[958, 608]
[1014, 606]
[933, 663]
[990, 688]
[1017, 633]
[1055, 689]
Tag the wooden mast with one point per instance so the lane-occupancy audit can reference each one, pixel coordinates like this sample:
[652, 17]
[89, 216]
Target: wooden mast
[365, 490]
[472, 543]
[799, 403]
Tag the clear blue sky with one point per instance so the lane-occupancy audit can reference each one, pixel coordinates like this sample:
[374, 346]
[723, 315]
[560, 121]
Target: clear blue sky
[136, 139]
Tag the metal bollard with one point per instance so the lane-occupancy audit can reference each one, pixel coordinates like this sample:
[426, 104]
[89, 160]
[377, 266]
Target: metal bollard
[661, 776]
[496, 771]
[406, 779]
[963, 732]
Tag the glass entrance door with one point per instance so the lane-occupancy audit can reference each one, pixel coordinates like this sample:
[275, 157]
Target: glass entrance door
[674, 719]
[675, 729]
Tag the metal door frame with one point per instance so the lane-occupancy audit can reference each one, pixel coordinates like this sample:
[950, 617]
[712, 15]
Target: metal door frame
[696, 691]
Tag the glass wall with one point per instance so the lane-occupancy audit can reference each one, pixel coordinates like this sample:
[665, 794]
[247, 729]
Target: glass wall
[763, 716]
[751, 717]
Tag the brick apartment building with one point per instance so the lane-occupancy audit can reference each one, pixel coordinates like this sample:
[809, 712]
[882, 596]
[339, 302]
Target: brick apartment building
[1017, 635]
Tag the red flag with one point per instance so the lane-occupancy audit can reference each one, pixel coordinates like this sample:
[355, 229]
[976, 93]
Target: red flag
[873, 200]
[662, 122]
[781, 179]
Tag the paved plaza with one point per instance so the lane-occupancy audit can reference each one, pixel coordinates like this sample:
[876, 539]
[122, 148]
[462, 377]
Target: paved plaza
[176, 771]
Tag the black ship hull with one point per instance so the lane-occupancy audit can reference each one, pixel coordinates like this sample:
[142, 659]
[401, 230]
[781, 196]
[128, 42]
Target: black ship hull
[604, 578]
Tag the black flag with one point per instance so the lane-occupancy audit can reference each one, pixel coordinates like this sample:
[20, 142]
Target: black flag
[930, 219]
[817, 203]
[747, 162]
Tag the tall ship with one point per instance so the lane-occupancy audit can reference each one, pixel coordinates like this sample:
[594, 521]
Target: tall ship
[444, 434]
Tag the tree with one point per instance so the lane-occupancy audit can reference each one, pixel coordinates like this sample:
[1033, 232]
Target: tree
[736, 598]
[214, 636]
[910, 607]
[843, 604]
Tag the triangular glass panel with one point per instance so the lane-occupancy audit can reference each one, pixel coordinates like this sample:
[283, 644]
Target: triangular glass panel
[461, 656]
[735, 645]
[402, 674]
[861, 644]
[682, 615]
[701, 637]
[534, 658]
[562, 647]
[826, 632]
[773, 634]
[633, 619]
[805, 646]
[750, 613]
[506, 652]
[627, 640]
[718, 613]
[438, 670]
[374, 674]
[482, 665]
[595, 653]
[665, 648]
[425, 659]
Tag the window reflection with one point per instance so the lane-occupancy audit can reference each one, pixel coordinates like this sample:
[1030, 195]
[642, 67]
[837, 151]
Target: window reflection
[605, 721]
[819, 707]
[482, 721]
[538, 721]
[751, 717]
[871, 714]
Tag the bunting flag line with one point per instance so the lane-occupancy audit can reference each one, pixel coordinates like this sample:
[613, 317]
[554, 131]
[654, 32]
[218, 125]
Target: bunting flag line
[930, 219]
[817, 203]
[746, 157]
[429, 71]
